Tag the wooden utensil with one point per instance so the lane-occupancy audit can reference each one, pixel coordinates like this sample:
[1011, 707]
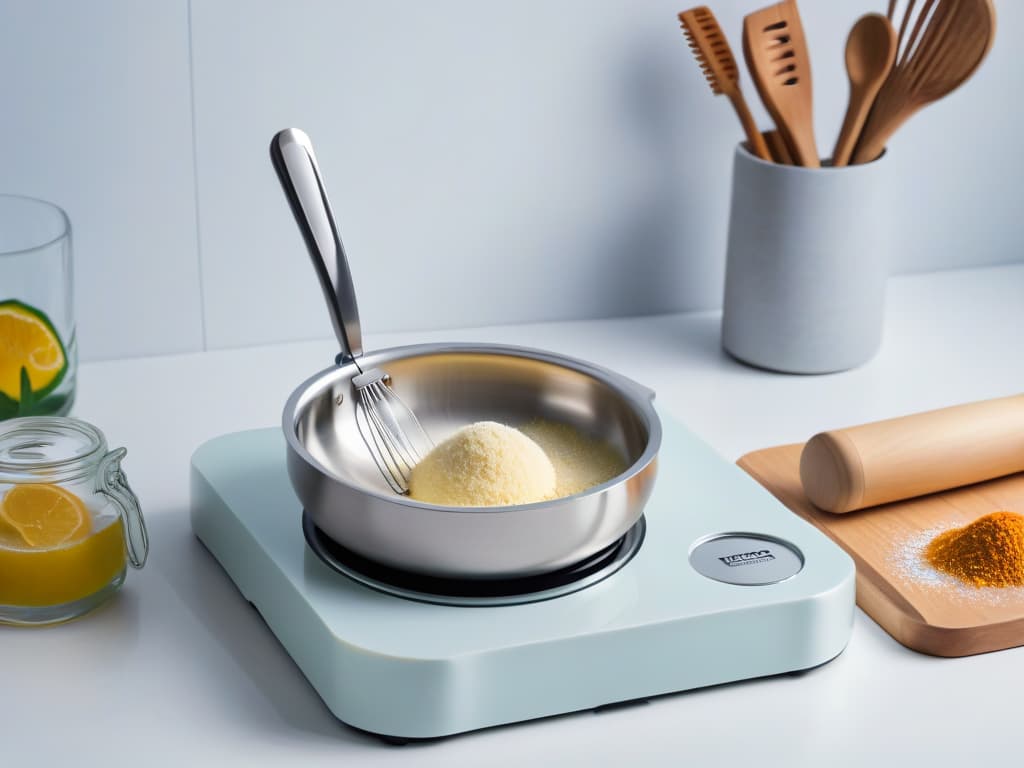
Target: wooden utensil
[776, 53]
[777, 148]
[947, 43]
[870, 53]
[907, 15]
[714, 55]
[931, 616]
[848, 469]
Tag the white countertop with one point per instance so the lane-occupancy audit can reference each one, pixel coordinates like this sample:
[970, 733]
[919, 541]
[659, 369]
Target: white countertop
[177, 669]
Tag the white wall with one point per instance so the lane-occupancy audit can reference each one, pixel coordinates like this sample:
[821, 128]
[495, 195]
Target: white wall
[96, 117]
[488, 163]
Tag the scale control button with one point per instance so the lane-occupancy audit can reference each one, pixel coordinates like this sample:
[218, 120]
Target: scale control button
[748, 559]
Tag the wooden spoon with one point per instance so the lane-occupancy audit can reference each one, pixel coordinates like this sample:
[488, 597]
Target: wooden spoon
[948, 42]
[870, 53]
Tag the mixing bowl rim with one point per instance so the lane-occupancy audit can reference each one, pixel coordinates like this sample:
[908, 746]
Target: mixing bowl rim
[635, 394]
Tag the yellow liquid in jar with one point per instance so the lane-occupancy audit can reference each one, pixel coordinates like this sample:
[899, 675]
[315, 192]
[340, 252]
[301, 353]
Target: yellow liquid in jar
[53, 576]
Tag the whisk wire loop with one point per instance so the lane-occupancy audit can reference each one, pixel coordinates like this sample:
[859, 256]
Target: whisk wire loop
[389, 428]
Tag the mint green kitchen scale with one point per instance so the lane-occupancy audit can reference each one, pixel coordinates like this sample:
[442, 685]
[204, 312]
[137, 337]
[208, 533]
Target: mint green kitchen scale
[717, 583]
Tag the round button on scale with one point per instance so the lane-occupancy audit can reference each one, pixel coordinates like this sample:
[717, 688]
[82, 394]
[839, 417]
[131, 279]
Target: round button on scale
[747, 559]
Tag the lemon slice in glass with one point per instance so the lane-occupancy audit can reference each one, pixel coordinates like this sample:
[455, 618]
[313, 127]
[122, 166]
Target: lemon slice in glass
[28, 341]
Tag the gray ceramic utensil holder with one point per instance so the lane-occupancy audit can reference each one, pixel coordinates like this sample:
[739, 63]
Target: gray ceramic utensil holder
[806, 265]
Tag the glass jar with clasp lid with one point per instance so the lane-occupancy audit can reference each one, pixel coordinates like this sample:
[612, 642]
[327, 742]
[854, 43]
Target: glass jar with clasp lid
[69, 523]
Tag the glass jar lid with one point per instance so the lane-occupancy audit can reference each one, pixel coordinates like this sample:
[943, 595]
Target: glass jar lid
[47, 444]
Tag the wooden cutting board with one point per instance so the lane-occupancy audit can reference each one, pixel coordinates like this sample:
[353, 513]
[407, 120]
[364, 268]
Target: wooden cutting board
[921, 608]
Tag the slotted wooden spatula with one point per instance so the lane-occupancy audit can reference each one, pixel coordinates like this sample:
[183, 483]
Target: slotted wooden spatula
[719, 66]
[776, 53]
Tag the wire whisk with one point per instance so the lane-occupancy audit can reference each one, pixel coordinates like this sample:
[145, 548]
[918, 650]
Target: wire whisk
[392, 433]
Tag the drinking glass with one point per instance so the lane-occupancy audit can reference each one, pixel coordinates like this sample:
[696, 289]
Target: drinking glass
[38, 353]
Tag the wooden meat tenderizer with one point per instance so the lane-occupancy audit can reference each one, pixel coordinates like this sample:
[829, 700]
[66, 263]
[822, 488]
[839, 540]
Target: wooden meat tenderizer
[708, 43]
[848, 469]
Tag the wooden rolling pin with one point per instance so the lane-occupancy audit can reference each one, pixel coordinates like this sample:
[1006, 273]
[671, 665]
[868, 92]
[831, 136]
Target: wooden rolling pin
[847, 469]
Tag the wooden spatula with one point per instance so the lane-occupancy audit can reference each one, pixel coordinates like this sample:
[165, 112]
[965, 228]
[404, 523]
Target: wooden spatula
[776, 53]
[719, 66]
[948, 41]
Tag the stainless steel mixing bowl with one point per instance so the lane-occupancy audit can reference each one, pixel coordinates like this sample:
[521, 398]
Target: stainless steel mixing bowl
[449, 386]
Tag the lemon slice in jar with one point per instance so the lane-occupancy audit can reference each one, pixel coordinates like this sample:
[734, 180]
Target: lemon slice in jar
[29, 342]
[46, 516]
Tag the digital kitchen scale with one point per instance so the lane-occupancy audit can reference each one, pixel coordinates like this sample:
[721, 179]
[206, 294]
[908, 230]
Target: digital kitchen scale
[719, 582]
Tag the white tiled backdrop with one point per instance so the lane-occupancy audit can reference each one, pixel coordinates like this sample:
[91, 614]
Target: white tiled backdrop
[488, 162]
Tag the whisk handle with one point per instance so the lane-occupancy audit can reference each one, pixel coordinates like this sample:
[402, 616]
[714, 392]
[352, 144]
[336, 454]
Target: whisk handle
[291, 153]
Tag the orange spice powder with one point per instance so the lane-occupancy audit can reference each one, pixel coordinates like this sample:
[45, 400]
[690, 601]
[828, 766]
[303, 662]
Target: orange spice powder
[987, 553]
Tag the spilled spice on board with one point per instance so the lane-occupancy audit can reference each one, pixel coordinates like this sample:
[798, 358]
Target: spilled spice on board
[987, 553]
